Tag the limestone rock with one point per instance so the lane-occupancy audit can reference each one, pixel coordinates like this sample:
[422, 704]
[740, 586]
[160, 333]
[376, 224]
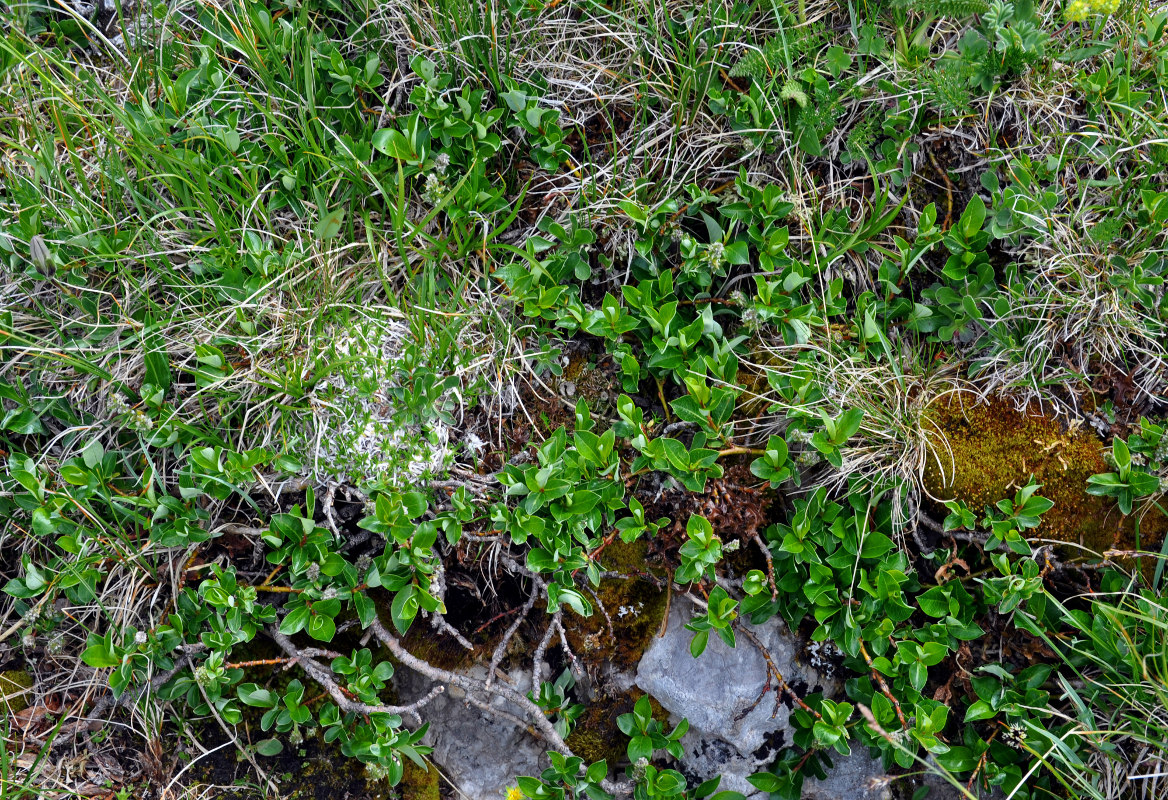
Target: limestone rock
[480, 753]
[730, 734]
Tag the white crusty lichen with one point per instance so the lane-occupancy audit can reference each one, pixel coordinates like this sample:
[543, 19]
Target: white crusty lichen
[357, 433]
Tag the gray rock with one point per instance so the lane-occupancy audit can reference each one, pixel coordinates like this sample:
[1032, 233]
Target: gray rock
[736, 727]
[718, 691]
[854, 776]
[479, 752]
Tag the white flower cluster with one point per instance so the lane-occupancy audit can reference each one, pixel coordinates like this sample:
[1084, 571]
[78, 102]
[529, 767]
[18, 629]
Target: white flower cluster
[436, 187]
[134, 418]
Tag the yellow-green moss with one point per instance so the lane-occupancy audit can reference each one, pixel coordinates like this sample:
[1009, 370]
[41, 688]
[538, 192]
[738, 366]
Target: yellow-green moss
[14, 690]
[636, 607]
[989, 450]
[418, 783]
[596, 735]
[593, 383]
[440, 649]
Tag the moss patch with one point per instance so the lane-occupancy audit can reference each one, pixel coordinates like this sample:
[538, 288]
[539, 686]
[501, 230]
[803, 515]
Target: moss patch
[596, 735]
[440, 649]
[14, 690]
[596, 381]
[310, 770]
[418, 783]
[991, 449]
[636, 607]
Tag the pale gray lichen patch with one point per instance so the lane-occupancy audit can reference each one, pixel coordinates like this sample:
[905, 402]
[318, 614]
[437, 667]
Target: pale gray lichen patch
[357, 432]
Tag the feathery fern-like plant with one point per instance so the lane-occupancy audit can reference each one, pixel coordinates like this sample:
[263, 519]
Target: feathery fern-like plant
[779, 52]
[760, 64]
[944, 8]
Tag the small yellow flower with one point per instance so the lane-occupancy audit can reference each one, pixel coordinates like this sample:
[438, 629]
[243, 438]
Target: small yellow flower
[1079, 10]
[513, 793]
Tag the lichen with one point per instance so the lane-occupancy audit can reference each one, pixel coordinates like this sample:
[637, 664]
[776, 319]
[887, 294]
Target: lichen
[357, 431]
[982, 452]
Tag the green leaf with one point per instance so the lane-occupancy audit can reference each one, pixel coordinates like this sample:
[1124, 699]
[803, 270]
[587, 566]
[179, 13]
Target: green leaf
[157, 368]
[269, 747]
[766, 782]
[876, 545]
[597, 772]
[24, 422]
[918, 674]
[973, 217]
[1143, 483]
[329, 225]
[934, 602]
[576, 601]
[392, 143]
[640, 747]
[295, 620]
[75, 475]
[404, 609]
[1083, 53]
[847, 425]
[322, 628]
[737, 253]
[1105, 483]
[838, 60]
[98, 654]
[415, 504]
[809, 141]
[697, 644]
[530, 786]
[253, 695]
[366, 610]
[1122, 454]
[979, 710]
[958, 759]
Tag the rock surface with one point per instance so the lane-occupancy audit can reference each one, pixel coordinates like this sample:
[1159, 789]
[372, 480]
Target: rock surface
[730, 733]
[479, 752]
[736, 728]
[854, 776]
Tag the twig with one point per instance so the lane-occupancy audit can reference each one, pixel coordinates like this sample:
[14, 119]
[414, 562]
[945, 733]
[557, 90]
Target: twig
[231, 735]
[438, 621]
[772, 670]
[668, 606]
[770, 562]
[501, 648]
[579, 670]
[603, 610]
[468, 684]
[241, 530]
[321, 675]
[537, 667]
[327, 506]
[884, 690]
